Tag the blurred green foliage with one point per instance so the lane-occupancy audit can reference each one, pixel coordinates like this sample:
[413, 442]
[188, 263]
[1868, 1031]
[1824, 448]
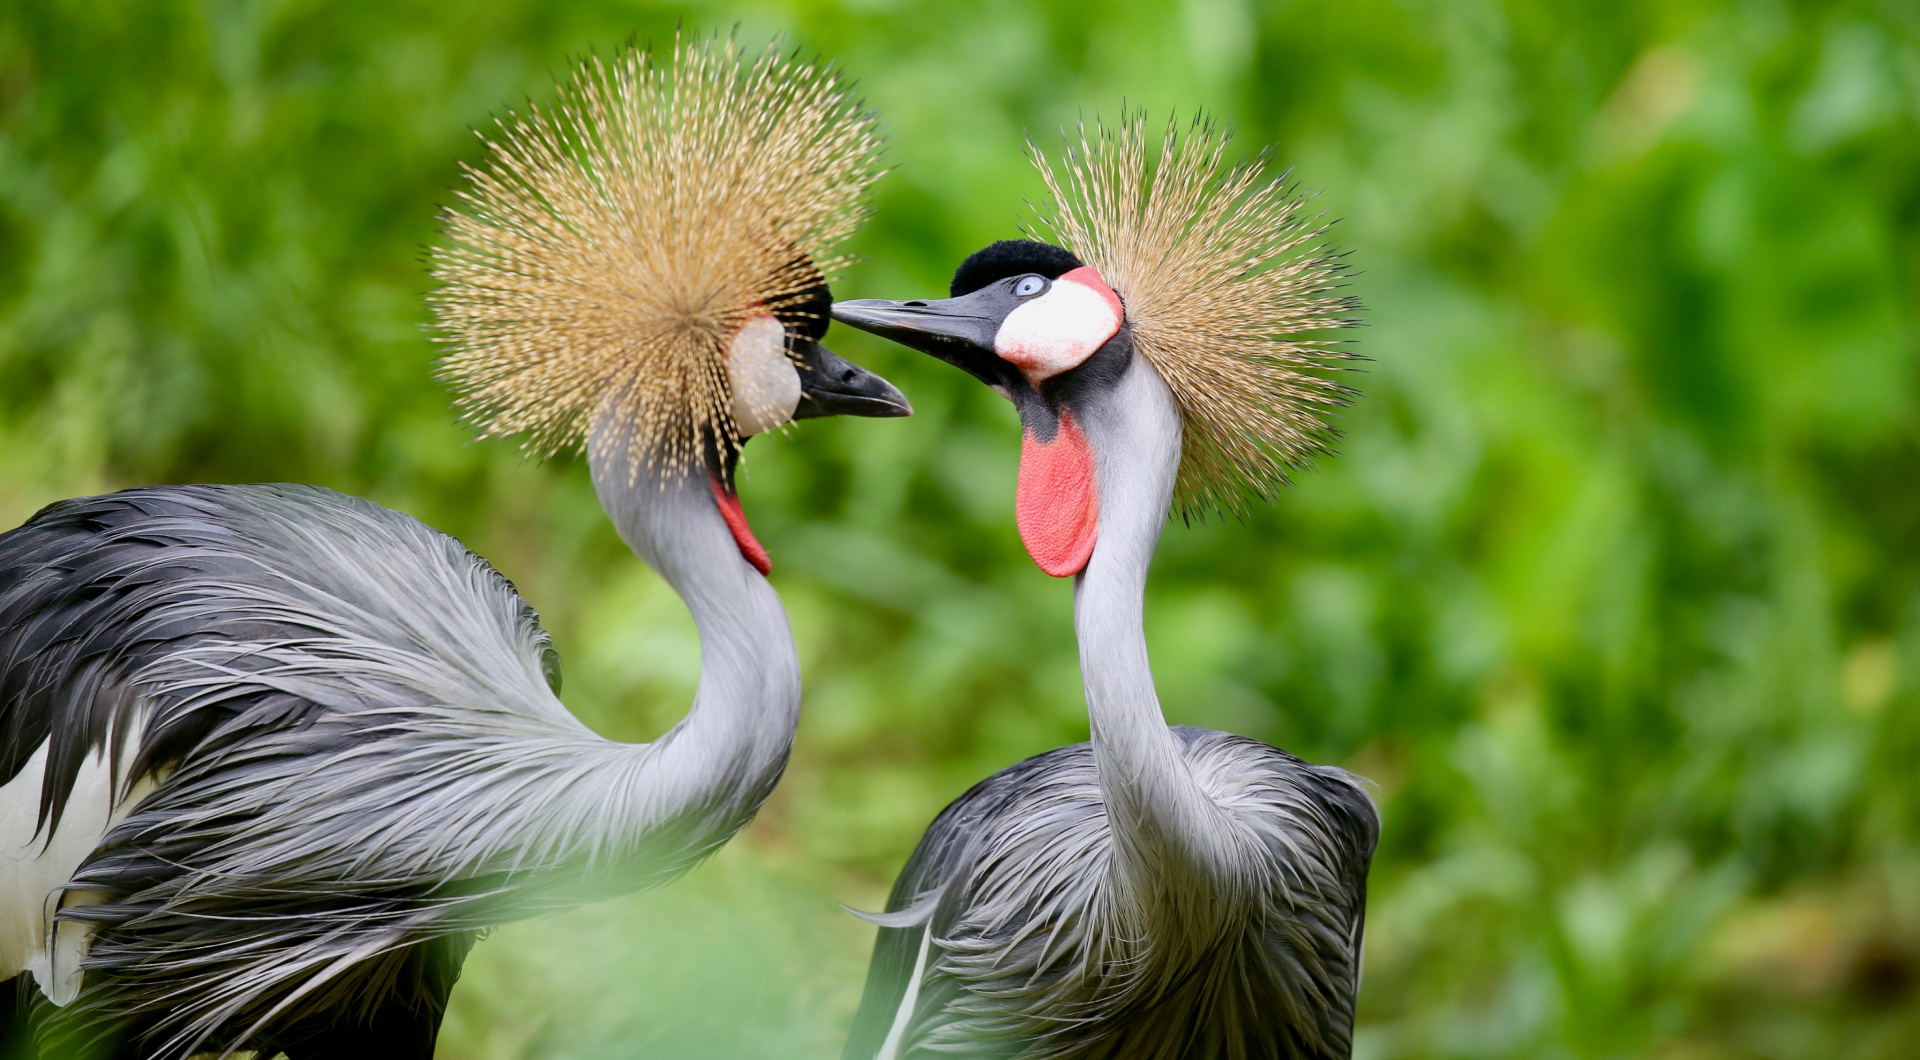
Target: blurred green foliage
[1614, 590]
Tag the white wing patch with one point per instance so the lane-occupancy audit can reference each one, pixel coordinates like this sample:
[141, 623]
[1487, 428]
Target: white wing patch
[34, 867]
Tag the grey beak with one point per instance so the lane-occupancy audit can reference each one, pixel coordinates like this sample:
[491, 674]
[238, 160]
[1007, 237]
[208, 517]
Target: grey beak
[924, 326]
[959, 331]
[831, 385]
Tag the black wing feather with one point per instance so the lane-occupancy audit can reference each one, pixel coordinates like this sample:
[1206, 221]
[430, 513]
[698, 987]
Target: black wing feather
[84, 592]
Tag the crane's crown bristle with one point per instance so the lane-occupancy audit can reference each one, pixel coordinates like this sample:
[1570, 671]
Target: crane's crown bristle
[601, 258]
[1229, 290]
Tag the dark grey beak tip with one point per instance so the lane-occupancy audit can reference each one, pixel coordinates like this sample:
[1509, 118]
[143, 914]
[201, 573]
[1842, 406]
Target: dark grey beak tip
[831, 385]
[877, 404]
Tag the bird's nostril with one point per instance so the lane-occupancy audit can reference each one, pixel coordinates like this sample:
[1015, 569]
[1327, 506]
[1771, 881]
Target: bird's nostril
[914, 305]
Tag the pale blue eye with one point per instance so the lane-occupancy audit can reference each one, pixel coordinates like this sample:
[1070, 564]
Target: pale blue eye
[1029, 286]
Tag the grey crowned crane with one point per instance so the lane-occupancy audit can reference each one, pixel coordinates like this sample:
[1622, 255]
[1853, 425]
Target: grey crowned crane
[273, 755]
[1161, 893]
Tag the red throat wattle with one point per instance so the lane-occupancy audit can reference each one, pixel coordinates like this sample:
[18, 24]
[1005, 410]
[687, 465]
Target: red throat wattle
[1058, 505]
[750, 549]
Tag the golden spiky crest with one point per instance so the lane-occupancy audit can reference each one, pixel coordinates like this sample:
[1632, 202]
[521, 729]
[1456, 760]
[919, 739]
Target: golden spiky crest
[1229, 291]
[602, 257]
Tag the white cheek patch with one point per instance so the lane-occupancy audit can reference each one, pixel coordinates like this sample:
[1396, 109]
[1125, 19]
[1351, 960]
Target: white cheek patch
[766, 386]
[1060, 329]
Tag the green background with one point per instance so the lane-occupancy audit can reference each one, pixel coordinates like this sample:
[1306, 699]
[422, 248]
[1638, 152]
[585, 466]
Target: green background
[1613, 590]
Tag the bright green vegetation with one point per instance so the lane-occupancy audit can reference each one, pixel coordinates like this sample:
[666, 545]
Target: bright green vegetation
[1614, 589]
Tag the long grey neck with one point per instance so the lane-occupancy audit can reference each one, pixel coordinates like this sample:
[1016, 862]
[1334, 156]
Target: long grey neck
[1172, 846]
[712, 770]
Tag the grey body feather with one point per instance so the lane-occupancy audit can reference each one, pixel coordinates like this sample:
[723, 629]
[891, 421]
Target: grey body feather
[1034, 961]
[361, 761]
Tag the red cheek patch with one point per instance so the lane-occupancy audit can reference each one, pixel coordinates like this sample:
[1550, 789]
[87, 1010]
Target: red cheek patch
[750, 549]
[1057, 505]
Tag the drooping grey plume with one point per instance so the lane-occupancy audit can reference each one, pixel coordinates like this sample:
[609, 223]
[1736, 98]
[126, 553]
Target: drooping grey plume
[1034, 955]
[360, 755]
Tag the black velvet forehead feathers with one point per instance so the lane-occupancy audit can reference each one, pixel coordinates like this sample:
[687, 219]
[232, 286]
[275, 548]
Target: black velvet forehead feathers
[1010, 257]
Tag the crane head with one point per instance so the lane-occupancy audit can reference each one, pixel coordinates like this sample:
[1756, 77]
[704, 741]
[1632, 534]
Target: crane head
[778, 372]
[1211, 273]
[1043, 330]
[646, 256]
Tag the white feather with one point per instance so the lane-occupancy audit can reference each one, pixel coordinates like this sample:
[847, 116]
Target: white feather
[34, 866]
[890, 1049]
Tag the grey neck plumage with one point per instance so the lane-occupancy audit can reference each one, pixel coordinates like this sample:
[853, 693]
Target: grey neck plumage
[713, 769]
[1173, 852]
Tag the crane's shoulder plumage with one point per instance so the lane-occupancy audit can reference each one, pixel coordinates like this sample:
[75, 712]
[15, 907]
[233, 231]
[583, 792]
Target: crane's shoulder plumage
[104, 600]
[273, 659]
[1019, 864]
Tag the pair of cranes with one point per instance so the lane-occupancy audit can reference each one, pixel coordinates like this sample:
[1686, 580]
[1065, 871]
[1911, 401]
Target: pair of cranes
[273, 757]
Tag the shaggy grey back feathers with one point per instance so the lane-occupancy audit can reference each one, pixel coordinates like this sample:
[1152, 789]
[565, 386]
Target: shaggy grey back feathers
[360, 749]
[1029, 959]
